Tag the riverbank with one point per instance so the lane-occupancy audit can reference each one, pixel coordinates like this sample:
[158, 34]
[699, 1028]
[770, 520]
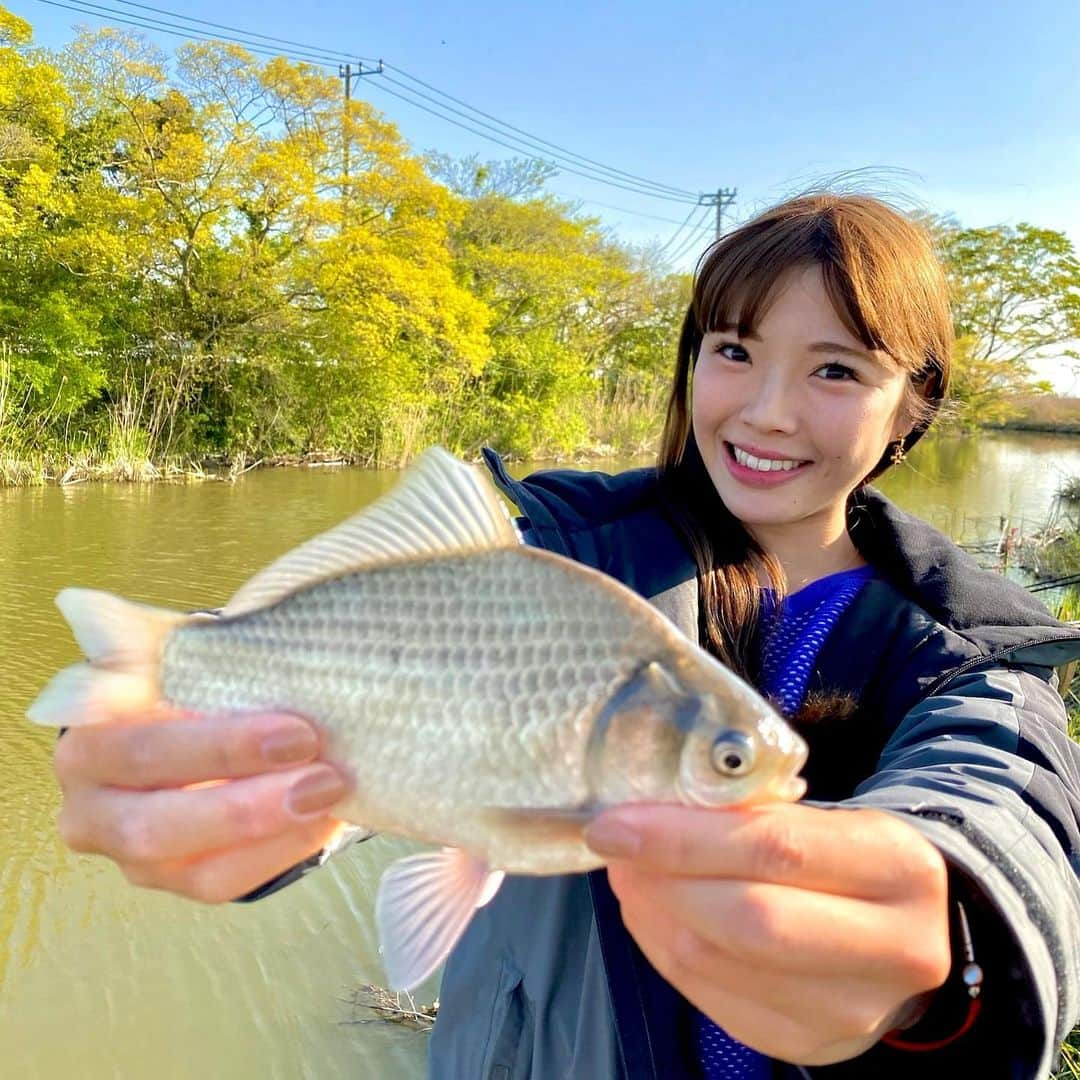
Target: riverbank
[625, 424]
[43, 471]
[1044, 413]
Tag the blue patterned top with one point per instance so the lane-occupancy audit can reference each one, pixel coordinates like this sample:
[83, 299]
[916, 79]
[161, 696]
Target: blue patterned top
[791, 641]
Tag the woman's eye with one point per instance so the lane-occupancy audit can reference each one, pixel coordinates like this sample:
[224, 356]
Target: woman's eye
[731, 351]
[834, 372]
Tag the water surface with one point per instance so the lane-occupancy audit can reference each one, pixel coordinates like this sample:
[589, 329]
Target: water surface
[99, 980]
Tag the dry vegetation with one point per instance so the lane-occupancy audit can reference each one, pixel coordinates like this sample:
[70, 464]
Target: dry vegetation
[1044, 412]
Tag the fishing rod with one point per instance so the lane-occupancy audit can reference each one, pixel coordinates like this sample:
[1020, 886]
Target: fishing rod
[1055, 583]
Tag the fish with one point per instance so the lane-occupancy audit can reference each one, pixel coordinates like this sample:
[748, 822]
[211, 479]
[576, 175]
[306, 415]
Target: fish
[484, 696]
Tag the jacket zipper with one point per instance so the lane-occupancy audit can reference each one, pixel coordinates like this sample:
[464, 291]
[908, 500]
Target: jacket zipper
[986, 658]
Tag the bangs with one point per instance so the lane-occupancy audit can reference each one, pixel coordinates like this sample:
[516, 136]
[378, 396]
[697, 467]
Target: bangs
[739, 277]
[879, 270]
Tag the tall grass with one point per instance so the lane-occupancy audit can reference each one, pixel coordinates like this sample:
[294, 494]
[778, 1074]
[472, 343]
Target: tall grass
[129, 446]
[20, 460]
[627, 421]
[1044, 412]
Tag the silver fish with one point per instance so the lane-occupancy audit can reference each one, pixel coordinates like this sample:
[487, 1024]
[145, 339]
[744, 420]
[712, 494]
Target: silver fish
[483, 695]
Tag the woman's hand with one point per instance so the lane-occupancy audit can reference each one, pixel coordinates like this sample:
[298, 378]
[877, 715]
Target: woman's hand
[207, 807]
[804, 933]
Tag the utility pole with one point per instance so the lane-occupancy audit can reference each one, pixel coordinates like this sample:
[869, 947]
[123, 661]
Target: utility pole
[723, 197]
[346, 73]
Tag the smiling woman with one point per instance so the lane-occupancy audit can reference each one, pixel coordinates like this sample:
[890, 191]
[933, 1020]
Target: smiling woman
[819, 337]
[791, 418]
[918, 911]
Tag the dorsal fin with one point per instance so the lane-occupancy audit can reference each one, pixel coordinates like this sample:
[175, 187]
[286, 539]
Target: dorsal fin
[441, 506]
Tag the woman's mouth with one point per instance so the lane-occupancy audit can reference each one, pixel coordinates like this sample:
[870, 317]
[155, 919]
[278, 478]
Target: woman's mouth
[763, 468]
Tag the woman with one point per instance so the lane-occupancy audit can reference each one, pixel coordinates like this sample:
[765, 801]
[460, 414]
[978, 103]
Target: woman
[933, 924]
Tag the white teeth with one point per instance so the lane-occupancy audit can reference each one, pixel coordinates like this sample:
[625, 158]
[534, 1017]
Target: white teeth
[763, 464]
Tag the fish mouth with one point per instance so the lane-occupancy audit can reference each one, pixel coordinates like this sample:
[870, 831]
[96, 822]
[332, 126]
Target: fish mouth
[790, 790]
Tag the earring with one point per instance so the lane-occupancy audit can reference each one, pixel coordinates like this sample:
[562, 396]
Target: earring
[898, 453]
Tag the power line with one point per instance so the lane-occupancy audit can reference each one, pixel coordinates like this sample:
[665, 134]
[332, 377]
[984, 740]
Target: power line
[700, 231]
[84, 7]
[528, 148]
[379, 85]
[553, 146]
[625, 209]
[533, 144]
[319, 57]
[311, 49]
[671, 238]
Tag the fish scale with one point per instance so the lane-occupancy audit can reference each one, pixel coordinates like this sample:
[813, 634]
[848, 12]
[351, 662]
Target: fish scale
[474, 652]
[484, 695]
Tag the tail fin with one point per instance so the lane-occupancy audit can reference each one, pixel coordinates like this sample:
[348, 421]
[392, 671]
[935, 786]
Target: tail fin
[123, 643]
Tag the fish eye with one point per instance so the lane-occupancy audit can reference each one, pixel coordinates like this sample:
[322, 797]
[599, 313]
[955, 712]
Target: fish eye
[732, 753]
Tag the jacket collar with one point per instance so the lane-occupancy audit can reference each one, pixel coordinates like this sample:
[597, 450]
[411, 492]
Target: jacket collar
[925, 566]
[566, 507]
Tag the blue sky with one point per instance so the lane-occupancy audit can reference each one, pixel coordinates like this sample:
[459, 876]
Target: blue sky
[972, 108]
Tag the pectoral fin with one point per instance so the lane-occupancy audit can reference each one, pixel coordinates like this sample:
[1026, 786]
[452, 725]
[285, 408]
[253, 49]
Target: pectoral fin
[422, 907]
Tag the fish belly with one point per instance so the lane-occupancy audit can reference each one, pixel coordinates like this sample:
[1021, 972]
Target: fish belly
[453, 689]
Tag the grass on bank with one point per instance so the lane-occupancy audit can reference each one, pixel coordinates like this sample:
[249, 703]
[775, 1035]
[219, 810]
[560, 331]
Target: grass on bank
[622, 423]
[1050, 554]
[1044, 412]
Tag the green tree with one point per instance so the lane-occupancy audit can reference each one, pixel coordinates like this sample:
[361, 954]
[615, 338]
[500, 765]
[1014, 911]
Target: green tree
[1016, 294]
[284, 304]
[213, 257]
[53, 319]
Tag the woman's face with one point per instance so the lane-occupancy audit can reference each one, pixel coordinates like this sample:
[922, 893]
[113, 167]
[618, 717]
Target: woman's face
[789, 421]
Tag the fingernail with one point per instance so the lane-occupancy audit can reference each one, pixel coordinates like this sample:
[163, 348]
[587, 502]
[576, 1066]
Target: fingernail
[291, 744]
[315, 792]
[607, 837]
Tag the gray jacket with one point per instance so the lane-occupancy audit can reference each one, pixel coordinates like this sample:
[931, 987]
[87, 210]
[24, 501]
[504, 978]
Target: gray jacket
[958, 728]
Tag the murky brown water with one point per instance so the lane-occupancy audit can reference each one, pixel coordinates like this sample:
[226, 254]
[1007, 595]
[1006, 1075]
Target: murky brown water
[100, 980]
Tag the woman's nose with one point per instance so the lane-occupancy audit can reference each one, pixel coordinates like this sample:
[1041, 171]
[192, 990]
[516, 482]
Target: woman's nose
[773, 405]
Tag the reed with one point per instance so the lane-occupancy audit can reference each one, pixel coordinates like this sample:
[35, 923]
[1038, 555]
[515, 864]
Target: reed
[1044, 412]
[391, 1008]
[627, 421]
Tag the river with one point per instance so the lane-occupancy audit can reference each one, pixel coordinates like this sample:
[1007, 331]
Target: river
[99, 980]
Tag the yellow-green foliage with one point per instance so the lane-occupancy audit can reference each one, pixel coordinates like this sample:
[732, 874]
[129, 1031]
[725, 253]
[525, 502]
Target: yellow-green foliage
[208, 258]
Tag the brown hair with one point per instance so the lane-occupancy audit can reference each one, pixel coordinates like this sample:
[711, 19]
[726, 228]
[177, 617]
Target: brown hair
[887, 287]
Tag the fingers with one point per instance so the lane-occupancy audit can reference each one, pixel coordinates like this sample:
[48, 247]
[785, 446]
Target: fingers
[810, 1021]
[772, 926]
[794, 1010]
[209, 807]
[176, 749]
[226, 875]
[180, 823]
[863, 853]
